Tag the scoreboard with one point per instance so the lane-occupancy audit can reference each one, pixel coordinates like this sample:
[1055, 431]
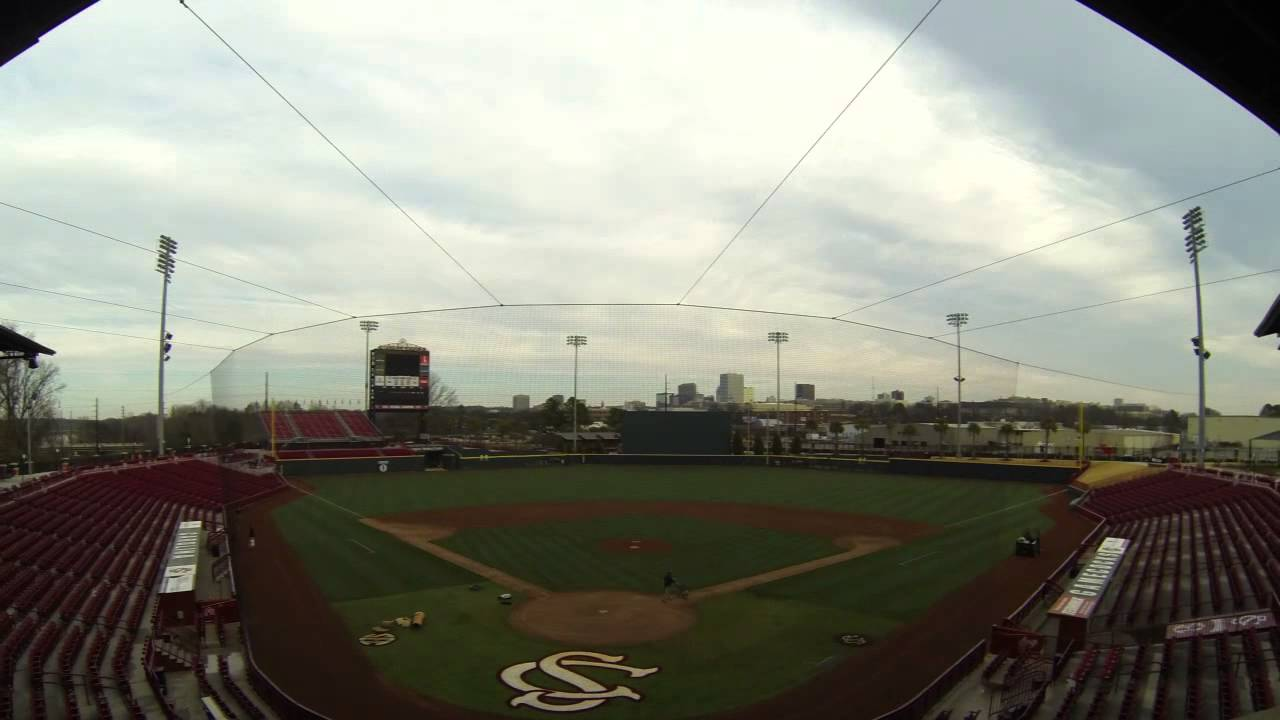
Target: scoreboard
[399, 379]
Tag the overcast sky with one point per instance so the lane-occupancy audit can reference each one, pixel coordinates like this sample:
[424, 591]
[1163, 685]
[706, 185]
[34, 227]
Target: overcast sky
[605, 152]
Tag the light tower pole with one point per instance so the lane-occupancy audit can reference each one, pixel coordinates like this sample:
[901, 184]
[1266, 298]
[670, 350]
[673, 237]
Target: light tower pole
[166, 249]
[1193, 223]
[368, 326]
[576, 341]
[956, 320]
[777, 338]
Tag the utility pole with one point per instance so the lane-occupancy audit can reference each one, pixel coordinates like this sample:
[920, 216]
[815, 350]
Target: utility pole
[576, 341]
[167, 248]
[122, 427]
[97, 441]
[266, 389]
[956, 320]
[1193, 223]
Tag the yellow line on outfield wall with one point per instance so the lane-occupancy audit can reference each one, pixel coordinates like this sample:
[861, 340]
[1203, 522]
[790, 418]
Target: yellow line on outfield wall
[673, 455]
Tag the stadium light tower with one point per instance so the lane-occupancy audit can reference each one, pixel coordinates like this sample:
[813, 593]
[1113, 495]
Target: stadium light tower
[956, 320]
[576, 341]
[166, 248]
[1193, 223]
[777, 338]
[368, 326]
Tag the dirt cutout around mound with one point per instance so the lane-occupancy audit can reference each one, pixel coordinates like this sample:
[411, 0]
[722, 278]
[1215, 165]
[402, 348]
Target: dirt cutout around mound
[645, 546]
[608, 618]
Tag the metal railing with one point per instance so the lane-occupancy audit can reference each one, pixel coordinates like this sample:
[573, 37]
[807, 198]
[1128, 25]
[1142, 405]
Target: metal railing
[916, 707]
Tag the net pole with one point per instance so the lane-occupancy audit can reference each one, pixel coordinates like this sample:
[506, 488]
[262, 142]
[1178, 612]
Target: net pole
[1080, 429]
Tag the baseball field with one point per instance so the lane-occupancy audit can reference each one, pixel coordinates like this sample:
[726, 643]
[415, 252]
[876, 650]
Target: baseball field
[783, 567]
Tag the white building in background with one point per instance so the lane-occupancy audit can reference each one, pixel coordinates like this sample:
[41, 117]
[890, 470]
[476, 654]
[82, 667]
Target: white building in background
[730, 389]
[1231, 428]
[519, 402]
[748, 394]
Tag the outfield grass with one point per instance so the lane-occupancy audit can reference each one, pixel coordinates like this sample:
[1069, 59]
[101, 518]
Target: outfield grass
[702, 552]
[939, 501]
[745, 647]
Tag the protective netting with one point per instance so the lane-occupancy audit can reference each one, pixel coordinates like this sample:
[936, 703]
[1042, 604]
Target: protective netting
[488, 355]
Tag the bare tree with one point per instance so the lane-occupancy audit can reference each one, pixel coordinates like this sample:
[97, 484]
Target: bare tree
[440, 394]
[26, 394]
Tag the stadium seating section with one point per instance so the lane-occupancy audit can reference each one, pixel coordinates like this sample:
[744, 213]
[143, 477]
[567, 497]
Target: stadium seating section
[1201, 546]
[326, 425]
[79, 561]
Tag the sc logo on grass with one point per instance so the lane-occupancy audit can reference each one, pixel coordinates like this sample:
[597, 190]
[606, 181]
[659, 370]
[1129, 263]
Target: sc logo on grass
[590, 694]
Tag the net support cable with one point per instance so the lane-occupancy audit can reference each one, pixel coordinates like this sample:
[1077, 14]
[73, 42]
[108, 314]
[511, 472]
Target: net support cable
[1059, 241]
[796, 166]
[340, 152]
[152, 251]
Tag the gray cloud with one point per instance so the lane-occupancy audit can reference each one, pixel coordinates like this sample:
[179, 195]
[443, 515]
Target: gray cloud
[602, 153]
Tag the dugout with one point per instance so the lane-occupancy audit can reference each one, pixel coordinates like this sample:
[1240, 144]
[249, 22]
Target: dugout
[176, 599]
[677, 433]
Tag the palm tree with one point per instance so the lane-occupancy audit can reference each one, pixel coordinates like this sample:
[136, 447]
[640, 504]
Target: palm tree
[889, 425]
[940, 427]
[1006, 431]
[974, 430]
[1048, 425]
[836, 428]
[909, 431]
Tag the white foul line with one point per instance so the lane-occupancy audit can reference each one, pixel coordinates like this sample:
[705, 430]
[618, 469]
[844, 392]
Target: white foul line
[1042, 498]
[322, 499]
[366, 547]
[921, 557]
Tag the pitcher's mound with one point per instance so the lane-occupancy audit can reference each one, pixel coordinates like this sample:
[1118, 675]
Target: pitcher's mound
[603, 619]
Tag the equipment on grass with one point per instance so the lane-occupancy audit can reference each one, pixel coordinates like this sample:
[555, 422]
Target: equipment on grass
[505, 598]
[418, 618]
[1027, 545]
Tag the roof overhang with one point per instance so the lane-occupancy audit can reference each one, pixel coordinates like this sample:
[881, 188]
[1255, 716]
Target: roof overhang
[25, 21]
[15, 345]
[1232, 44]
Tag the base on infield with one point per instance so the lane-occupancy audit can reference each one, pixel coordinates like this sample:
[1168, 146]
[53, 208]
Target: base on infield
[602, 619]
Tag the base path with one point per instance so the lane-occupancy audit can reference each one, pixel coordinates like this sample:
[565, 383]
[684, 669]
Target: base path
[858, 546]
[421, 536]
